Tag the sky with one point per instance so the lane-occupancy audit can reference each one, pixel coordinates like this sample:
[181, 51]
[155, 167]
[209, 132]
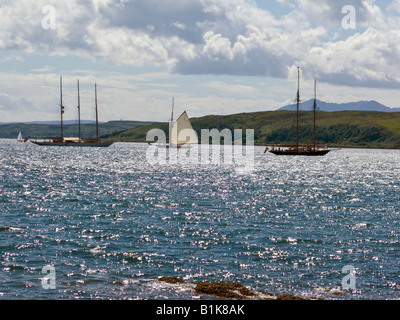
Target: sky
[213, 56]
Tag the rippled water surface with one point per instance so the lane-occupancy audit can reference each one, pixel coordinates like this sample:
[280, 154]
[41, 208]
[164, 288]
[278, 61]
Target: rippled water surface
[111, 224]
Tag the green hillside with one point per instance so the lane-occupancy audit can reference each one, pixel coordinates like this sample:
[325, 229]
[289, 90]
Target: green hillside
[335, 129]
[11, 130]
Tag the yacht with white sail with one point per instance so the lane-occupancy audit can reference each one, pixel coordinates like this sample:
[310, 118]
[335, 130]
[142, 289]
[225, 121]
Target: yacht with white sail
[20, 139]
[181, 132]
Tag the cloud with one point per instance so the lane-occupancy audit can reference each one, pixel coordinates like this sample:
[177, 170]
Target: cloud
[230, 89]
[231, 37]
[14, 106]
[364, 59]
[217, 35]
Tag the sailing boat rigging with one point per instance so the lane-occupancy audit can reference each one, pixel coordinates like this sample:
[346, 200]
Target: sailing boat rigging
[74, 141]
[298, 150]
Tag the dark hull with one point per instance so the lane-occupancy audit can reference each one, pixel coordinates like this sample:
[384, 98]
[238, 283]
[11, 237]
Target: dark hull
[99, 144]
[308, 153]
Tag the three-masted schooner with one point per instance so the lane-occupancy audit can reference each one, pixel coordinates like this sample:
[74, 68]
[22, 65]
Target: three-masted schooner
[73, 141]
[298, 150]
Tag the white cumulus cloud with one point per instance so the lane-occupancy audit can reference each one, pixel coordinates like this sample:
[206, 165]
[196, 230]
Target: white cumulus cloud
[231, 37]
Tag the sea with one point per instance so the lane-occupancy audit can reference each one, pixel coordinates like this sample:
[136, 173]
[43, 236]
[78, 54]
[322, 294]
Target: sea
[107, 224]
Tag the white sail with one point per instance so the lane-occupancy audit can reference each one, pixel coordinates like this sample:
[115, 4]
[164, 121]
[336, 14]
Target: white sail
[181, 132]
[20, 137]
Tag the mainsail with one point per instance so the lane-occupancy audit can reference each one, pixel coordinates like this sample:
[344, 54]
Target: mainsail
[181, 132]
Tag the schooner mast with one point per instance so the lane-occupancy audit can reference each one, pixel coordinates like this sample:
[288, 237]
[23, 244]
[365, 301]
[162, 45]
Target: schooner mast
[315, 110]
[79, 113]
[97, 113]
[298, 105]
[62, 110]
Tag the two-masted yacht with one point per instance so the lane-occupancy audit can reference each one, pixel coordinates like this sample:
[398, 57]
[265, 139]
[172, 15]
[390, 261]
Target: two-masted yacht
[63, 141]
[302, 150]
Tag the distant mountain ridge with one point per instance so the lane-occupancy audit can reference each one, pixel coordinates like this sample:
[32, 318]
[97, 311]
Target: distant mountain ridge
[336, 107]
[52, 122]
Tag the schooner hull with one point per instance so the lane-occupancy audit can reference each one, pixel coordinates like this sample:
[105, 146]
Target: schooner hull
[309, 153]
[74, 144]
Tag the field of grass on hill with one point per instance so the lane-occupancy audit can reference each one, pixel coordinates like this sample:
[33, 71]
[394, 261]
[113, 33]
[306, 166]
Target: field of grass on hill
[335, 129]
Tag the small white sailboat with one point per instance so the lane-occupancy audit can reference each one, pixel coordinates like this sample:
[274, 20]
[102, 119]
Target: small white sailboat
[20, 137]
[181, 132]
